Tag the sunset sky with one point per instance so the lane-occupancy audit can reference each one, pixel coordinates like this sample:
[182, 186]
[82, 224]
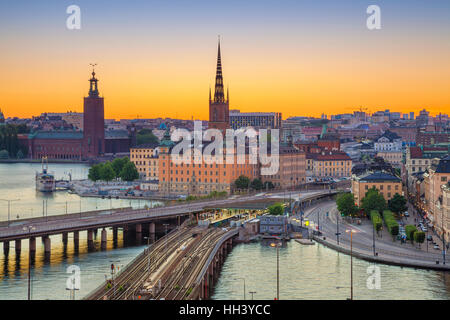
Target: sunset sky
[157, 58]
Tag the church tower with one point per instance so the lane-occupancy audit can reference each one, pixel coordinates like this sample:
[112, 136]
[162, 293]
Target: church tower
[219, 106]
[93, 121]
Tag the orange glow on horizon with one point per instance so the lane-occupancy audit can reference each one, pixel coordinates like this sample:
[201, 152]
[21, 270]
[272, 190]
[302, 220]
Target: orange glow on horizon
[151, 84]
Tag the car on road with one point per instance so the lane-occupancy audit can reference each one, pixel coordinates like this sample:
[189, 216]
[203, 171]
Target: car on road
[436, 247]
[429, 238]
[406, 214]
[424, 229]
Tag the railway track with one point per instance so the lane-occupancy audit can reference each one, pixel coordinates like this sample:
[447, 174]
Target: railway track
[179, 283]
[129, 278]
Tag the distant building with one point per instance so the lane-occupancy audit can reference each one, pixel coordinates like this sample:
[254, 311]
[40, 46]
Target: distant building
[257, 120]
[291, 172]
[199, 177]
[419, 159]
[444, 206]
[387, 184]
[436, 176]
[273, 225]
[75, 144]
[145, 158]
[329, 164]
[388, 141]
[395, 158]
[2, 117]
[430, 136]
[407, 134]
[219, 107]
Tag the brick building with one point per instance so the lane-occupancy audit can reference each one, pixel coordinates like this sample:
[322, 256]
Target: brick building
[90, 143]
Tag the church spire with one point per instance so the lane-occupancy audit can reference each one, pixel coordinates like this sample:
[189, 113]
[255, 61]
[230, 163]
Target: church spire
[93, 89]
[219, 95]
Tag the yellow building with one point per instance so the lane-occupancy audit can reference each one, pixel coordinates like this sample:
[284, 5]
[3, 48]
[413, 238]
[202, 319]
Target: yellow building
[145, 158]
[331, 164]
[395, 158]
[387, 184]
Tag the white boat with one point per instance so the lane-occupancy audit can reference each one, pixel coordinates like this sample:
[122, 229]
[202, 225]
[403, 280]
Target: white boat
[45, 181]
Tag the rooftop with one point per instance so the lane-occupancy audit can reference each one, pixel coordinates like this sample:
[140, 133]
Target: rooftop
[378, 177]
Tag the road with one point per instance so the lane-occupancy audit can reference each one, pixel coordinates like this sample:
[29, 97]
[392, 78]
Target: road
[363, 238]
[108, 218]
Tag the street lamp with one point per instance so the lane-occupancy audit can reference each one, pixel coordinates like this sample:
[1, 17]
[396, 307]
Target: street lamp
[29, 229]
[244, 284]
[351, 231]
[9, 207]
[252, 292]
[277, 245]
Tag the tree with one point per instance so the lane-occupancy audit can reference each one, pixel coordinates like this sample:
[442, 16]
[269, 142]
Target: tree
[373, 201]
[391, 223]
[257, 184]
[118, 164]
[409, 230]
[268, 185]
[4, 154]
[419, 237]
[398, 204]
[95, 172]
[242, 182]
[129, 172]
[146, 136]
[276, 209]
[346, 204]
[107, 172]
[376, 220]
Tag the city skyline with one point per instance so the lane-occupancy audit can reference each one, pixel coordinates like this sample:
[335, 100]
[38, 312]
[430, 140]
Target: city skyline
[161, 63]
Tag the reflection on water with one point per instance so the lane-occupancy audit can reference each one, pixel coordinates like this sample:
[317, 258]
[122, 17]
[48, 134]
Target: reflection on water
[49, 273]
[316, 272]
[17, 181]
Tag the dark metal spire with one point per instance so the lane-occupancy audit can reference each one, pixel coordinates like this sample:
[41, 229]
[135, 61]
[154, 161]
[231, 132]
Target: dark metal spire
[219, 95]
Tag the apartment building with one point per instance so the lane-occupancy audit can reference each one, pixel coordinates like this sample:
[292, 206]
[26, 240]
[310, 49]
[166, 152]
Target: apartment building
[145, 158]
[387, 184]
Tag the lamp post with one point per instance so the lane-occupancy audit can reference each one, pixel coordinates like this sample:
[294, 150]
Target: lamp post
[29, 229]
[337, 227]
[277, 245]
[351, 231]
[244, 284]
[9, 207]
[443, 235]
[252, 292]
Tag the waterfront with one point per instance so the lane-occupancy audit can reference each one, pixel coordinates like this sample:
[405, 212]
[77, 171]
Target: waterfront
[316, 272]
[306, 272]
[17, 181]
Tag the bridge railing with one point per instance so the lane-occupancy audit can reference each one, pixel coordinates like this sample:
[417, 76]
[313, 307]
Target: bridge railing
[213, 253]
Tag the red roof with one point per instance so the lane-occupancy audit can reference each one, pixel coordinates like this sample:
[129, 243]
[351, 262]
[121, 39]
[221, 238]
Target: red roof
[328, 156]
